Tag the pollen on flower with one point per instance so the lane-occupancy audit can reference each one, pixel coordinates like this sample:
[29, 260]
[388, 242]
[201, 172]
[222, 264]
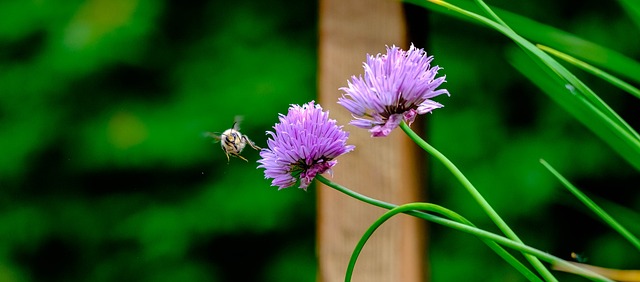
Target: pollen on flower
[397, 86]
[304, 143]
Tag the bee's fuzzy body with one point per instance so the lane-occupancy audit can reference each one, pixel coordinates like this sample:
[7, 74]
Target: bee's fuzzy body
[233, 142]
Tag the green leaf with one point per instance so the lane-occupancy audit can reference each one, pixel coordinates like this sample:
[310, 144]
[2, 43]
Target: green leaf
[594, 207]
[580, 100]
[563, 41]
[565, 95]
[593, 70]
[632, 7]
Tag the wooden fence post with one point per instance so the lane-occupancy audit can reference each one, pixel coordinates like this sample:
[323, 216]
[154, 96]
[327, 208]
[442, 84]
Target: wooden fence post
[384, 168]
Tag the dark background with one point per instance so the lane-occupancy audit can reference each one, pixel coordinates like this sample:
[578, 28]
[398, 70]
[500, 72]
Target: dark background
[105, 174]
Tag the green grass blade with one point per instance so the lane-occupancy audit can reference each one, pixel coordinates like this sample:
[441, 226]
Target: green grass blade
[545, 59]
[491, 13]
[561, 71]
[603, 57]
[565, 42]
[620, 141]
[594, 207]
[626, 216]
[593, 70]
[598, 108]
[632, 7]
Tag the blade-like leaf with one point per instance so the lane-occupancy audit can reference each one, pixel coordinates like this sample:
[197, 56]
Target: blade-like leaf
[632, 7]
[593, 70]
[565, 42]
[594, 207]
[592, 110]
[564, 94]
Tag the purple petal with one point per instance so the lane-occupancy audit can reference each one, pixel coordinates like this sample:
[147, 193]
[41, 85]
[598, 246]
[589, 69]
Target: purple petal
[396, 83]
[304, 143]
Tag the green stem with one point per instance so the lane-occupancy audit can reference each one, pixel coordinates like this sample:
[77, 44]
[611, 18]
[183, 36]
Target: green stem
[478, 197]
[482, 234]
[412, 209]
[596, 103]
[428, 207]
[499, 250]
[594, 207]
[486, 8]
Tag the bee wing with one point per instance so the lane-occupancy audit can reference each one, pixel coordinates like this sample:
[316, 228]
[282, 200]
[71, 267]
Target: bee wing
[213, 135]
[236, 122]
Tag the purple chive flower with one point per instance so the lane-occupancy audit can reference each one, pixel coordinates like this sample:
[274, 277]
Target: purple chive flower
[396, 86]
[304, 144]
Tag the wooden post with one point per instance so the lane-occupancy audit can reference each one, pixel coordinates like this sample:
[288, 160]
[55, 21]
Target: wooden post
[384, 168]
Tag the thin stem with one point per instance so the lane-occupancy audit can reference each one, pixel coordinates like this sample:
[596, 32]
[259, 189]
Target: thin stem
[428, 207]
[412, 210]
[478, 197]
[499, 250]
[596, 103]
[594, 207]
[491, 13]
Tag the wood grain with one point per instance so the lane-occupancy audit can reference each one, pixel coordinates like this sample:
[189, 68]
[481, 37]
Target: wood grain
[388, 168]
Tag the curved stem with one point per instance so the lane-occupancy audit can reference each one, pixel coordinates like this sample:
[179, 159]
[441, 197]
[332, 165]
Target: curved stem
[478, 197]
[495, 247]
[428, 207]
[413, 208]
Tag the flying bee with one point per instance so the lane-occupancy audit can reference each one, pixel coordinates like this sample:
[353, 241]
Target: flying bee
[232, 141]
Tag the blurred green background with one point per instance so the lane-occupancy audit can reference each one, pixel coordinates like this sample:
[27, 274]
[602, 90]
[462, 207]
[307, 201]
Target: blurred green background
[105, 174]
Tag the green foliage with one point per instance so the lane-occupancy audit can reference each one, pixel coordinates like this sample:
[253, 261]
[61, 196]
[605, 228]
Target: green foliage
[105, 174]
[454, 221]
[602, 214]
[499, 126]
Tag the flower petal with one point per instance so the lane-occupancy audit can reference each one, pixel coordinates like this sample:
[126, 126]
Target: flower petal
[303, 144]
[396, 83]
